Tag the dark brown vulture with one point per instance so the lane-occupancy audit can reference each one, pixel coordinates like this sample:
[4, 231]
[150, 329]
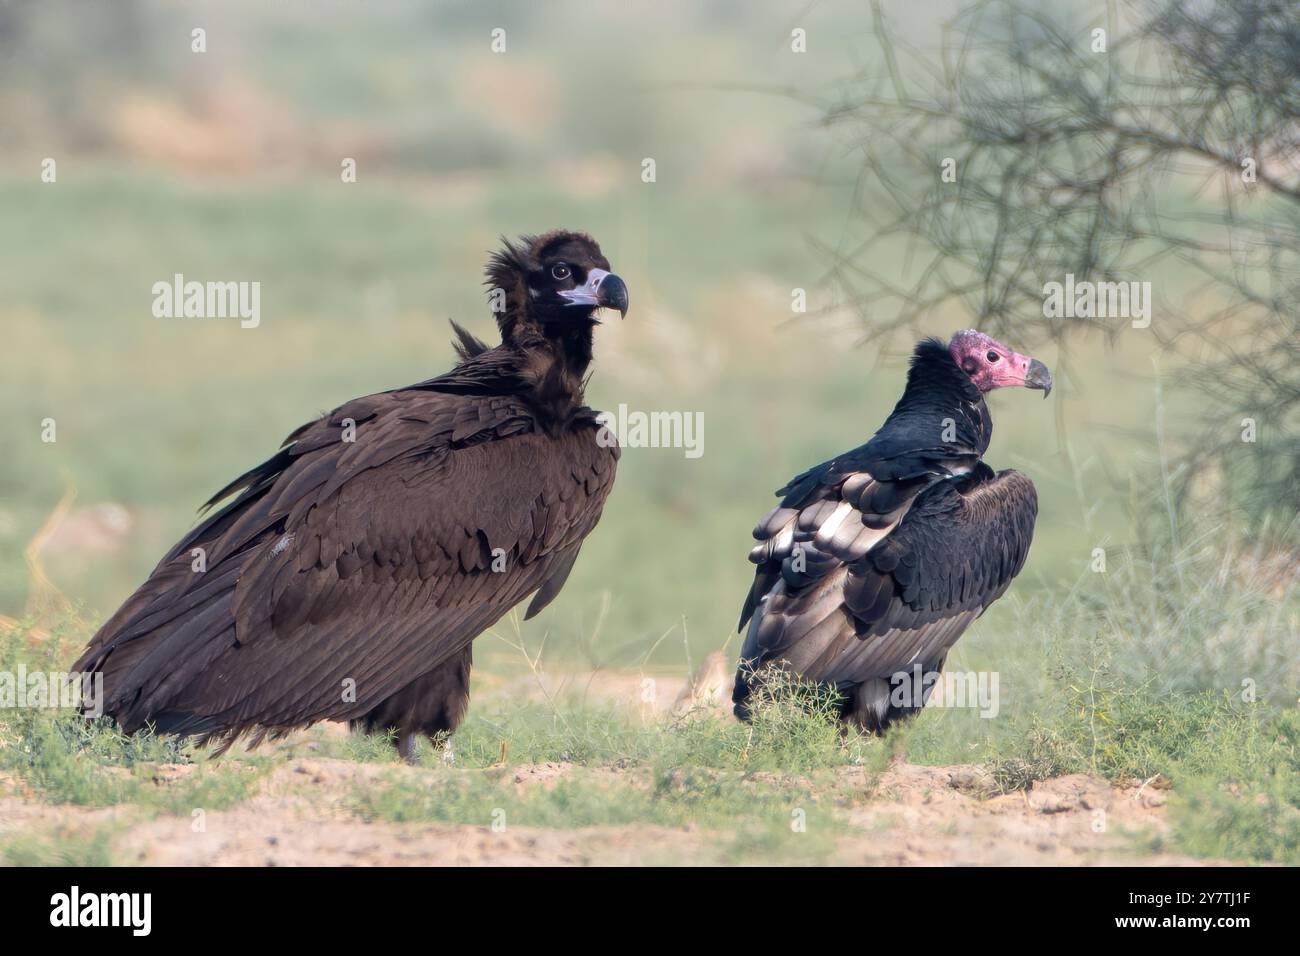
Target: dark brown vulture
[877, 560]
[353, 569]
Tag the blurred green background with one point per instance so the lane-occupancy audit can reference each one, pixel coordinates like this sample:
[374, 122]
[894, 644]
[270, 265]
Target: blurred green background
[225, 165]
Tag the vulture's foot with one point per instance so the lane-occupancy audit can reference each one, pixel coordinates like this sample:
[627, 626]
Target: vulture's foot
[408, 747]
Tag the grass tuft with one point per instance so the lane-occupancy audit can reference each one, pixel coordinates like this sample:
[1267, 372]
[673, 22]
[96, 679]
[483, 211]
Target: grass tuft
[59, 847]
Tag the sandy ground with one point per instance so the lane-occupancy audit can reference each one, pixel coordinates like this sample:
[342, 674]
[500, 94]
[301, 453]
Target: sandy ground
[909, 815]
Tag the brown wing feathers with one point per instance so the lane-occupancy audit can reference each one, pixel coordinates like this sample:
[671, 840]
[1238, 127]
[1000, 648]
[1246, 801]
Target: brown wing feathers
[351, 570]
[348, 571]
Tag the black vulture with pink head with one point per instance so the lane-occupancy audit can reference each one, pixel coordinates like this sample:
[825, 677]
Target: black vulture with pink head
[876, 561]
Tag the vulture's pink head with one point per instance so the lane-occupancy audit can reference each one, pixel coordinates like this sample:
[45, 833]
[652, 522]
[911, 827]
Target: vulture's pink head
[990, 364]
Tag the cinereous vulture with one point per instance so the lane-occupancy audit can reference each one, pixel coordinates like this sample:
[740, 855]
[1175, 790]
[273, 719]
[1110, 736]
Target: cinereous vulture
[351, 572]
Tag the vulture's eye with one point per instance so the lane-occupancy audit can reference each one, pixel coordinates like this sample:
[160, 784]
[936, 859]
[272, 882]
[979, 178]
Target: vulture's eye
[992, 356]
[560, 272]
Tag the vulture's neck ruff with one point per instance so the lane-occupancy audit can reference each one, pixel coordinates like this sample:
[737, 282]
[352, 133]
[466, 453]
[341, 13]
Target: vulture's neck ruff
[940, 416]
[548, 289]
[936, 387]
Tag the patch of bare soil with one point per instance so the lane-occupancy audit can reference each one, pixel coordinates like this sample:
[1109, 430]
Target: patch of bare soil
[908, 815]
[952, 816]
[249, 836]
[300, 818]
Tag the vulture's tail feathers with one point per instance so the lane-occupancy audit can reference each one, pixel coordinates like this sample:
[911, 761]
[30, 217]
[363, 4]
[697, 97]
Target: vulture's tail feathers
[148, 659]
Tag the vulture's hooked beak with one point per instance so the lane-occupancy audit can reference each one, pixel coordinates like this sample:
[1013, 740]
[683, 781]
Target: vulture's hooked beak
[1038, 377]
[602, 289]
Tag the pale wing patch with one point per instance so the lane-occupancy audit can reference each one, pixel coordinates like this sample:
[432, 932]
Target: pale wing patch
[827, 528]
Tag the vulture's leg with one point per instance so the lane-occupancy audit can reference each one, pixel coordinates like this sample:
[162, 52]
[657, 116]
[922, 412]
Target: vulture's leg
[408, 747]
[432, 705]
[935, 668]
[871, 708]
[868, 705]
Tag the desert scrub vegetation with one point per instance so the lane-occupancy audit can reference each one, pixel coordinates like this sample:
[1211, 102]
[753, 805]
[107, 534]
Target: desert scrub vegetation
[694, 796]
[793, 729]
[1175, 659]
[60, 846]
[739, 783]
[747, 817]
[762, 791]
[67, 759]
[1176, 667]
[1179, 667]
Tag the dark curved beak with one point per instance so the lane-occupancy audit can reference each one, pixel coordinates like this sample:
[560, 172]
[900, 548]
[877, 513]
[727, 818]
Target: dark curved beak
[611, 293]
[604, 290]
[1038, 377]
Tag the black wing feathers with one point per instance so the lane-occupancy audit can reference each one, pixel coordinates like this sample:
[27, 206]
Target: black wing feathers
[881, 557]
[951, 554]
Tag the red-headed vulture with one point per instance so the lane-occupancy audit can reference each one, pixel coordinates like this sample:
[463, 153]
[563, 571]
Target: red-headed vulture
[876, 561]
[352, 570]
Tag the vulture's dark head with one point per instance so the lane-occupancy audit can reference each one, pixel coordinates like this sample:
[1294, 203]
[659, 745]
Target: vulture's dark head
[990, 364]
[551, 285]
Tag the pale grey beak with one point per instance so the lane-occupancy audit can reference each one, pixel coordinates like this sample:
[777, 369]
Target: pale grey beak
[1039, 377]
[602, 290]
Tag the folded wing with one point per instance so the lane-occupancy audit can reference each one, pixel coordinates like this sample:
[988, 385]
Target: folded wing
[858, 578]
[345, 568]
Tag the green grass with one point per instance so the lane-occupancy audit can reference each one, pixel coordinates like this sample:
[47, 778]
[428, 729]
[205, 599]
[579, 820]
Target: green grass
[793, 730]
[1234, 766]
[747, 821]
[1075, 699]
[783, 736]
[59, 847]
[750, 818]
[71, 760]
[1259, 822]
